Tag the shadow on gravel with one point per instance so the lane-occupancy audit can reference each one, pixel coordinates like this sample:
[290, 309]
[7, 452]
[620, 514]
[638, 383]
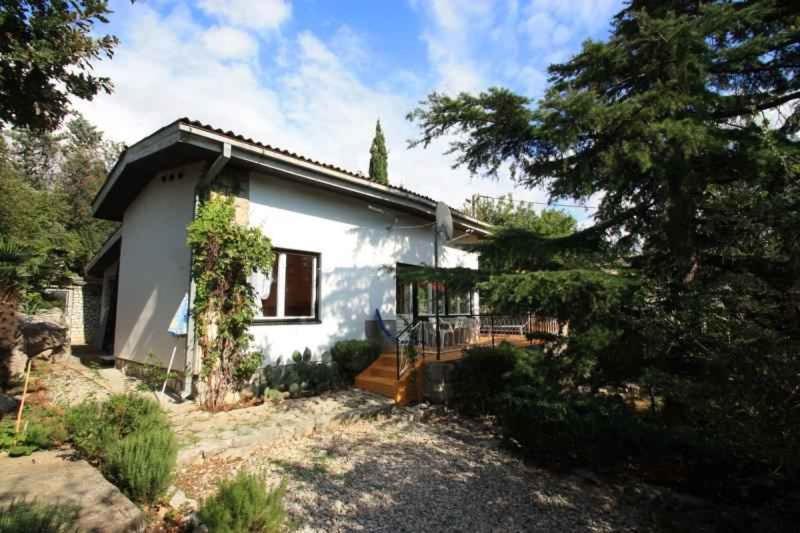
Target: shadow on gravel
[446, 479]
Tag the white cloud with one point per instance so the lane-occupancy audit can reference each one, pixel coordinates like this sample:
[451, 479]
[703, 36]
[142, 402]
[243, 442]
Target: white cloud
[226, 42]
[304, 93]
[253, 14]
[555, 22]
[450, 38]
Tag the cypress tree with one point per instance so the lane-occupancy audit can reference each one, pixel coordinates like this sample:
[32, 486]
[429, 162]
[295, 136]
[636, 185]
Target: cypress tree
[378, 157]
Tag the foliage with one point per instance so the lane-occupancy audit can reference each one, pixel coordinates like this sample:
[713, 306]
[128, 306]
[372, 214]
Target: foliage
[525, 390]
[686, 121]
[353, 356]
[481, 376]
[379, 158]
[47, 182]
[47, 52]
[224, 256]
[580, 430]
[94, 426]
[244, 505]
[301, 376]
[34, 245]
[142, 463]
[507, 213]
[32, 517]
[86, 158]
[129, 437]
[42, 429]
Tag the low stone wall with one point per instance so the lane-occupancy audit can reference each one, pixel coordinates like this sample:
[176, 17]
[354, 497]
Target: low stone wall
[146, 371]
[438, 381]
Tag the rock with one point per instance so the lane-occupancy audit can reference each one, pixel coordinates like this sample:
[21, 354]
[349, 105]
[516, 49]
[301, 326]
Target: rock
[180, 502]
[15, 364]
[7, 404]
[47, 332]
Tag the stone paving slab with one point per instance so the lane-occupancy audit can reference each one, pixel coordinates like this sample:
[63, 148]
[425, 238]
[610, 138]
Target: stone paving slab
[53, 477]
[232, 433]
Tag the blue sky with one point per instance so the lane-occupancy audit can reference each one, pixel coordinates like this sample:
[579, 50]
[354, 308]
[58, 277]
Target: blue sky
[314, 75]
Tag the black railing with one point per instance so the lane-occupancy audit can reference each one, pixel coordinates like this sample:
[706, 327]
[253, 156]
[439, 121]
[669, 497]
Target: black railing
[443, 334]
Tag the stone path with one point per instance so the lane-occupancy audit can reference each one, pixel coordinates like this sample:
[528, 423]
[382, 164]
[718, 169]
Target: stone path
[395, 474]
[54, 478]
[68, 381]
[202, 435]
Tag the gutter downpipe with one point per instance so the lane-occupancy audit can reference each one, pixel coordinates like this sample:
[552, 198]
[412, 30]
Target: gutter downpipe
[192, 364]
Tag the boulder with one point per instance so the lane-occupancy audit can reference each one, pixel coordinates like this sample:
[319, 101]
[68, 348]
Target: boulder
[45, 334]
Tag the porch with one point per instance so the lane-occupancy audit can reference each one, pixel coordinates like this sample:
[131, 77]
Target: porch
[441, 340]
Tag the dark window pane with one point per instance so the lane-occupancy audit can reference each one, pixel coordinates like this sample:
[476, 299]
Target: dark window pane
[269, 305]
[424, 300]
[459, 303]
[404, 298]
[299, 285]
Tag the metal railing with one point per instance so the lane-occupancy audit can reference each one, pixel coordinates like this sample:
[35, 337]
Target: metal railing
[428, 336]
[406, 341]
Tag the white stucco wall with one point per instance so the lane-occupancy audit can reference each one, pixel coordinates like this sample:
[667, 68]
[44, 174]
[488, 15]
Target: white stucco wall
[154, 268]
[355, 246]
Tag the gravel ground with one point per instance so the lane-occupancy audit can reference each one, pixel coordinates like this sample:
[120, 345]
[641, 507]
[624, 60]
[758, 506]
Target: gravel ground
[69, 382]
[396, 475]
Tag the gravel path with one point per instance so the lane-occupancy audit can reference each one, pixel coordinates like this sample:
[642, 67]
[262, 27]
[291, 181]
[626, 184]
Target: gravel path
[68, 382]
[399, 475]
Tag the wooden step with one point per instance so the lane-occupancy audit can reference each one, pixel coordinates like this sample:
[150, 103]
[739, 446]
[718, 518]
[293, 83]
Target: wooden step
[381, 372]
[378, 385]
[381, 378]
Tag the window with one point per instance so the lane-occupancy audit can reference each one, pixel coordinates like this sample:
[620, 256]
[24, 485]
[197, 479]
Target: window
[405, 298]
[425, 295]
[417, 297]
[269, 305]
[459, 303]
[291, 291]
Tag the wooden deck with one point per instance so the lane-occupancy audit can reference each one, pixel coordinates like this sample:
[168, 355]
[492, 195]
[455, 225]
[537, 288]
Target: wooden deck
[381, 376]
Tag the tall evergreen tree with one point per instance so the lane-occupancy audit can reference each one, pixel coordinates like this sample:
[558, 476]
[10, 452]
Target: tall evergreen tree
[379, 157]
[687, 120]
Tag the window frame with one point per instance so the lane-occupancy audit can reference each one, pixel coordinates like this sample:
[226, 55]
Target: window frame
[444, 309]
[317, 286]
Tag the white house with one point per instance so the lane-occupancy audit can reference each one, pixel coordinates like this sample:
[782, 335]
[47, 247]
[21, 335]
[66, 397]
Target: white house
[339, 239]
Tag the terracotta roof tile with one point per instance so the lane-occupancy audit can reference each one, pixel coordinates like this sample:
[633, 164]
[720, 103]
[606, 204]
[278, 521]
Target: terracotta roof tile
[289, 153]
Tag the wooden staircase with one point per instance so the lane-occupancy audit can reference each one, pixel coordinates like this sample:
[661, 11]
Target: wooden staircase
[381, 378]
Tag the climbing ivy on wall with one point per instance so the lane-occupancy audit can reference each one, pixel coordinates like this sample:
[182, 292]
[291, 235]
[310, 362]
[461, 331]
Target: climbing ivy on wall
[224, 255]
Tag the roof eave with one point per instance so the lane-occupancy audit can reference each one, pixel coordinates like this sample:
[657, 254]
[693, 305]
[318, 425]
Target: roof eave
[312, 172]
[263, 157]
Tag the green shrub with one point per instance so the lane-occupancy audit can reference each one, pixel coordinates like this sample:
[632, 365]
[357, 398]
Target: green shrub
[300, 377]
[482, 375]
[243, 505]
[32, 517]
[575, 429]
[528, 391]
[141, 464]
[129, 437]
[42, 429]
[353, 356]
[95, 426]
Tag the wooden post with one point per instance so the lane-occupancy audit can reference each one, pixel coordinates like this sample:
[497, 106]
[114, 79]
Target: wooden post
[24, 392]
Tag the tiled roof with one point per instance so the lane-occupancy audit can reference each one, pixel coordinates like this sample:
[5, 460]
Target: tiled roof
[289, 153]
